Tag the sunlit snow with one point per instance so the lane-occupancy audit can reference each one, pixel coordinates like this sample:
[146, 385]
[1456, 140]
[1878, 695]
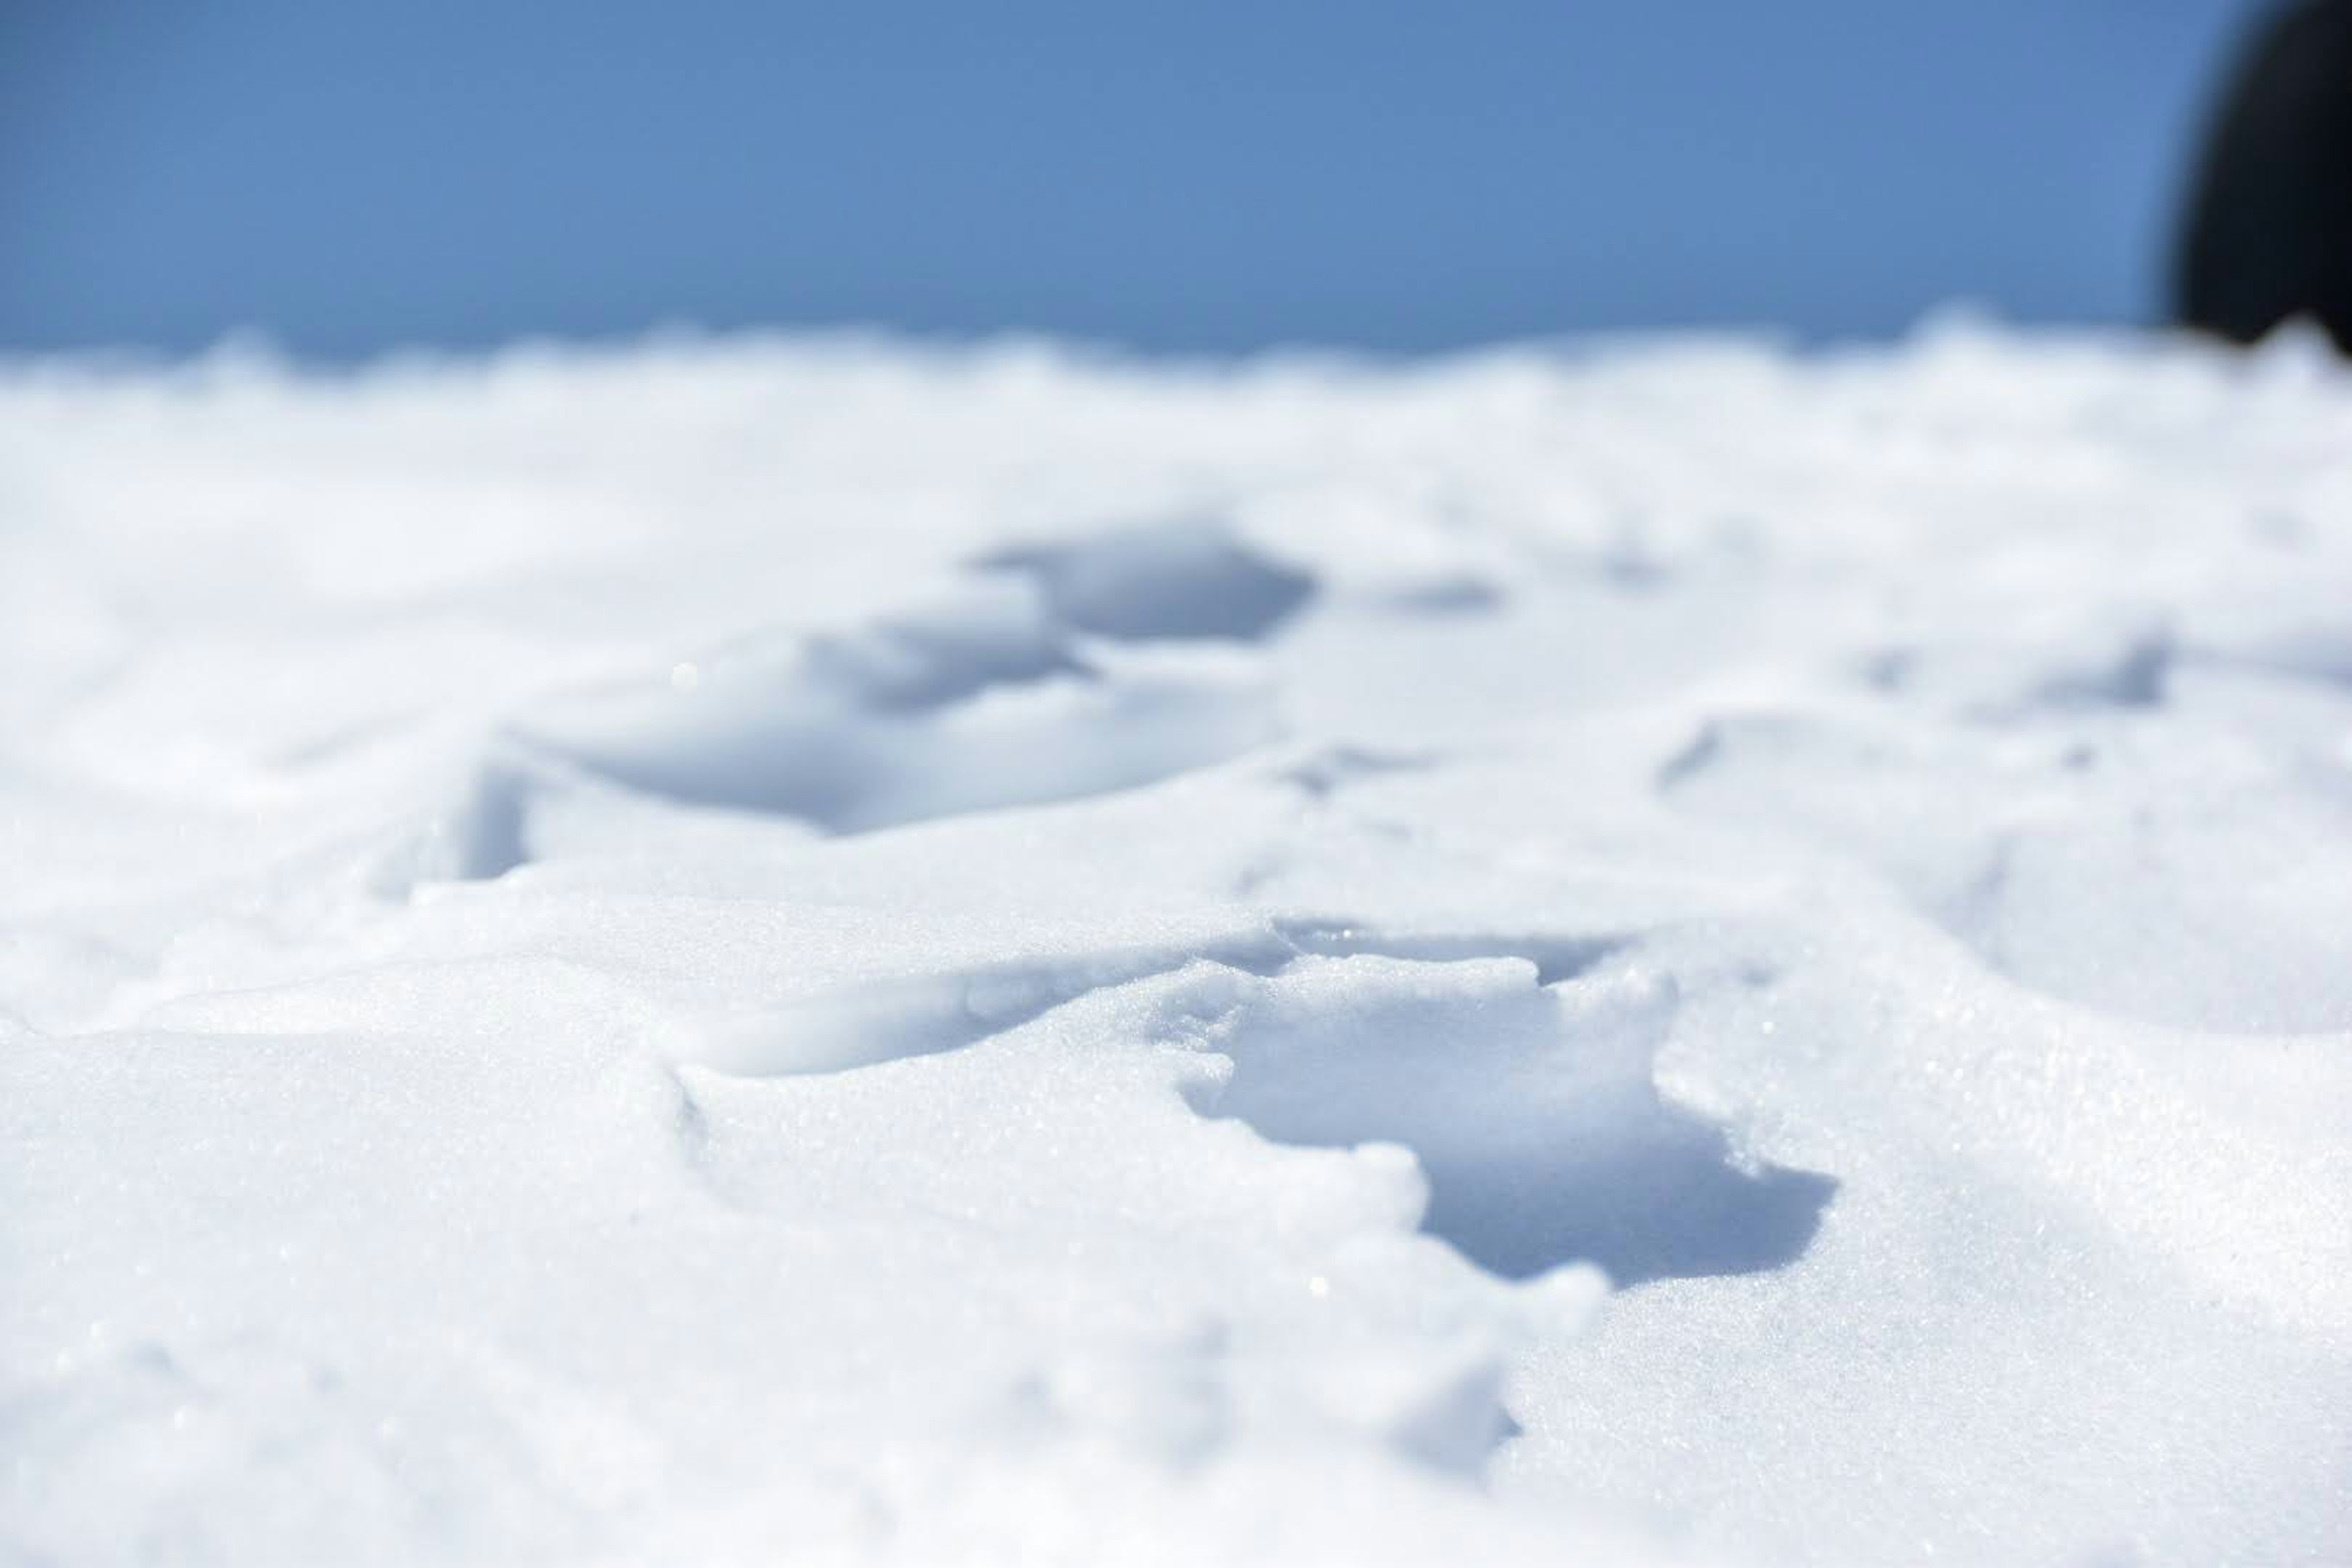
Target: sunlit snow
[808, 951]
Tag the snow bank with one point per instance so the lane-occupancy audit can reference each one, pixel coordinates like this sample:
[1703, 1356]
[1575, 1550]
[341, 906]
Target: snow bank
[832, 951]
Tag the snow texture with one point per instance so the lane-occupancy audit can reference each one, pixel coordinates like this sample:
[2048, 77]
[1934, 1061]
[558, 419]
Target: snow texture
[814, 951]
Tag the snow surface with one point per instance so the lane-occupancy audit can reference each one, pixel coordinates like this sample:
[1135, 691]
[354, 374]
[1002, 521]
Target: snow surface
[824, 950]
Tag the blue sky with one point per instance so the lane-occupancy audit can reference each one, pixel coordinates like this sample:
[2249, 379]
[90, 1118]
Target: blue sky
[1204, 176]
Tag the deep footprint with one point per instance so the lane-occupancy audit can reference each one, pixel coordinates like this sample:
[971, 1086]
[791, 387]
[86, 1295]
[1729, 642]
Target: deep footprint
[1176, 580]
[1530, 1106]
[979, 699]
[1531, 1112]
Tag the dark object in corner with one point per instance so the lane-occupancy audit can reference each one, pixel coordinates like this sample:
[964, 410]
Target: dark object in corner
[2269, 231]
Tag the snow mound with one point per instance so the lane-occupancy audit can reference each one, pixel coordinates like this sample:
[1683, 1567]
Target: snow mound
[822, 951]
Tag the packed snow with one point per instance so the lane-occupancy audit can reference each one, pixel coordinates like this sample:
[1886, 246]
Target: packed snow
[795, 950]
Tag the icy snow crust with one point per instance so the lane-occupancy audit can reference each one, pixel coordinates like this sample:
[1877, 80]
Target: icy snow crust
[803, 951]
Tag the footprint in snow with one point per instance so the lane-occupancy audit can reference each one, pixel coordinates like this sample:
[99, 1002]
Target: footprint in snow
[1055, 673]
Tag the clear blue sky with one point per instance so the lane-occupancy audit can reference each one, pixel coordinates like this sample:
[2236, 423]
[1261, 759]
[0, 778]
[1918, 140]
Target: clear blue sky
[350, 177]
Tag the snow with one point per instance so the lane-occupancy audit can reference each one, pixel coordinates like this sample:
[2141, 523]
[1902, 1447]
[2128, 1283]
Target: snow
[825, 950]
